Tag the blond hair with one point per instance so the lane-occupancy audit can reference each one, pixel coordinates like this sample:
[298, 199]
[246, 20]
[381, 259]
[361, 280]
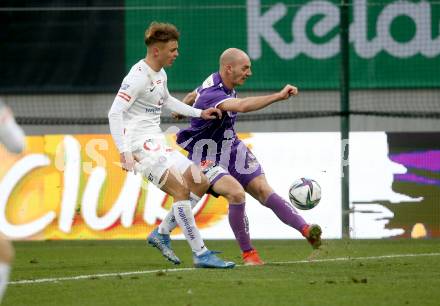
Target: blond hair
[160, 32]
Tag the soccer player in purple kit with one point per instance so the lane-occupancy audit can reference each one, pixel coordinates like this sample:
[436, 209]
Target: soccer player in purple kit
[229, 165]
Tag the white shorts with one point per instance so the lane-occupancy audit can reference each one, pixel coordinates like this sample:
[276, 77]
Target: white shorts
[155, 157]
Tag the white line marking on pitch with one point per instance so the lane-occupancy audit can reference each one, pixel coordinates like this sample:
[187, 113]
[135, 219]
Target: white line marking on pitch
[91, 276]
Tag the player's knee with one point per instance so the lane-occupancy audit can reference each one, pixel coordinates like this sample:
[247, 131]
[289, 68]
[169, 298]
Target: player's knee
[262, 192]
[181, 193]
[236, 196]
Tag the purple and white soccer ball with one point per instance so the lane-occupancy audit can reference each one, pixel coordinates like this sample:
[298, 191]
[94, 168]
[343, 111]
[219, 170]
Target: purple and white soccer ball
[305, 193]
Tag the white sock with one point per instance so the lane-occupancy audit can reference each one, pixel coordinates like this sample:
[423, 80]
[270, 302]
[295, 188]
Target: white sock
[4, 278]
[194, 199]
[185, 219]
[169, 222]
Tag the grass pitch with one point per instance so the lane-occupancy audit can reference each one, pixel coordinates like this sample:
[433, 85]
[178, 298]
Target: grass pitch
[355, 272]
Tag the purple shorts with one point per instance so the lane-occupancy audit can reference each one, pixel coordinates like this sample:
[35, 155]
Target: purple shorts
[241, 164]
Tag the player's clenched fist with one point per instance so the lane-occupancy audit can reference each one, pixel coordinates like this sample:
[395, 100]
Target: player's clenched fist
[288, 91]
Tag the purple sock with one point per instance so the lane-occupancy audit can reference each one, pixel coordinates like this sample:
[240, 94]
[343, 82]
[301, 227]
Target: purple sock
[240, 226]
[285, 212]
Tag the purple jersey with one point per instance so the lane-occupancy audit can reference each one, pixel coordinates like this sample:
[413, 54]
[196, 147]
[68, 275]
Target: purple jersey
[214, 142]
[212, 93]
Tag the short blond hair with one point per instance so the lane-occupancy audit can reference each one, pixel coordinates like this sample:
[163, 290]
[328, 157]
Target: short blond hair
[160, 32]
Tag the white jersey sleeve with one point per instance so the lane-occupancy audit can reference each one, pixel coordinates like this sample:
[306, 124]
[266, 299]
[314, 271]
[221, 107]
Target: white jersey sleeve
[179, 107]
[127, 94]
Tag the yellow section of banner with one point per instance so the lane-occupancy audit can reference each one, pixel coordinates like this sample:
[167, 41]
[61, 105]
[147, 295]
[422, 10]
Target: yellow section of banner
[72, 187]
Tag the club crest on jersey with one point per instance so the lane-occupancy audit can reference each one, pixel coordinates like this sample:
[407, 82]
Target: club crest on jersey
[150, 145]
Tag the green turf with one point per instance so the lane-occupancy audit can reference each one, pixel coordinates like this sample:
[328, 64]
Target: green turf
[382, 281]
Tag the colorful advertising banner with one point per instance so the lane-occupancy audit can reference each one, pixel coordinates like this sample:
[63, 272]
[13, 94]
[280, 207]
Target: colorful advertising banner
[72, 187]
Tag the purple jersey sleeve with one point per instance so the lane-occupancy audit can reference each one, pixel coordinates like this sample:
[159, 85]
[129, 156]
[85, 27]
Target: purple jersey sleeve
[212, 93]
[210, 97]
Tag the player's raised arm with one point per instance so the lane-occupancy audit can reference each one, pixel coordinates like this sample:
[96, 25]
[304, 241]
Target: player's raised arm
[250, 104]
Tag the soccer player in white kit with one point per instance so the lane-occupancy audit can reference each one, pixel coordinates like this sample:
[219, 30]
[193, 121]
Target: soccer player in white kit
[134, 124]
[12, 137]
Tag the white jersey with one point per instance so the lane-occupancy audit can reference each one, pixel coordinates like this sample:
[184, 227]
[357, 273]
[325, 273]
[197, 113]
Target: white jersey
[145, 91]
[139, 100]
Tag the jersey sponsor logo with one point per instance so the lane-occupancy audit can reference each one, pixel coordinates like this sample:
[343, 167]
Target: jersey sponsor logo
[152, 110]
[158, 82]
[124, 96]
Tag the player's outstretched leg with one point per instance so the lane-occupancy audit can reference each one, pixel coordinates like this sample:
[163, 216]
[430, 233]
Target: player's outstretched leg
[260, 189]
[312, 232]
[163, 243]
[210, 260]
[286, 213]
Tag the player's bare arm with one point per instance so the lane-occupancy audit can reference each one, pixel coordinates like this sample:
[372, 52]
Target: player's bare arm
[250, 104]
